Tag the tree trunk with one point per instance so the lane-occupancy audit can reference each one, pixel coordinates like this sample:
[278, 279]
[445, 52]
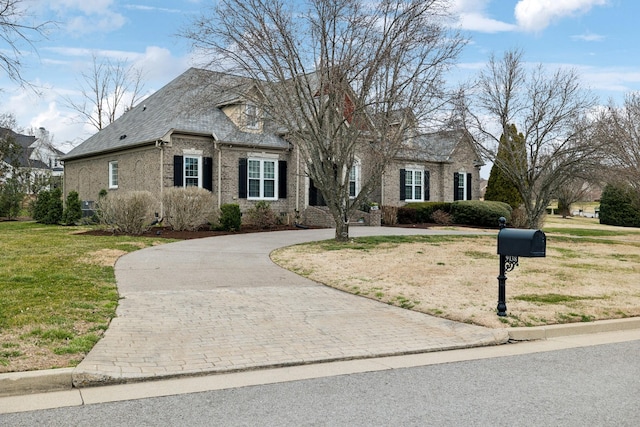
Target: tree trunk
[564, 208]
[342, 231]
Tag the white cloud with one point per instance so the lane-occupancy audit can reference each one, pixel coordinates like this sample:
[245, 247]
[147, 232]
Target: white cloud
[88, 7]
[536, 15]
[478, 22]
[80, 17]
[84, 53]
[104, 23]
[158, 64]
[611, 80]
[472, 17]
[151, 8]
[588, 37]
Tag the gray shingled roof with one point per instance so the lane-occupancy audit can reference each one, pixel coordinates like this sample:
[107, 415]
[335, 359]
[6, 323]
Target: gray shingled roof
[26, 142]
[190, 104]
[435, 147]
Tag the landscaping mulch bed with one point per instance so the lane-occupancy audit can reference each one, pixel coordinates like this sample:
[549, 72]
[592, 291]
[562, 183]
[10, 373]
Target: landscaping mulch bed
[168, 233]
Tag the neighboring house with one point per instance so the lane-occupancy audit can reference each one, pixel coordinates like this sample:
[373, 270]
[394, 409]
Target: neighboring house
[38, 160]
[199, 130]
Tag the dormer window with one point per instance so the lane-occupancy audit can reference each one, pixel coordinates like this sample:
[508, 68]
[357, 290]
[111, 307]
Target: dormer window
[251, 114]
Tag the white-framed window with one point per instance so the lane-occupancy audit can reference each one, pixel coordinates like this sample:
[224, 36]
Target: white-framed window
[354, 180]
[414, 185]
[462, 188]
[262, 175]
[113, 174]
[192, 171]
[251, 113]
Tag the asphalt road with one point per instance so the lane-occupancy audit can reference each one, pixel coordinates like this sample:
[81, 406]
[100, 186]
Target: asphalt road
[596, 386]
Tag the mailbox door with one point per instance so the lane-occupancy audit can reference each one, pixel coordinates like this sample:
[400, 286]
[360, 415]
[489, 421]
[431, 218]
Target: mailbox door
[539, 244]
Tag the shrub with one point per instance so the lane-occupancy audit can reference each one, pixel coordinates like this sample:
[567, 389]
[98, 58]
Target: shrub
[47, 207]
[389, 215]
[407, 215]
[442, 218]
[619, 206]
[427, 209]
[479, 213]
[54, 208]
[40, 205]
[230, 217]
[11, 197]
[416, 213]
[470, 212]
[187, 208]
[519, 218]
[73, 209]
[128, 212]
[261, 215]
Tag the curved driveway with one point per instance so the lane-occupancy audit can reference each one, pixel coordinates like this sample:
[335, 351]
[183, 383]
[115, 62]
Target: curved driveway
[219, 304]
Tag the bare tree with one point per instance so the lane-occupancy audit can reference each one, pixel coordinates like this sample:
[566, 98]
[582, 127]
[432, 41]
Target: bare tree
[15, 33]
[574, 190]
[620, 127]
[108, 90]
[334, 75]
[550, 109]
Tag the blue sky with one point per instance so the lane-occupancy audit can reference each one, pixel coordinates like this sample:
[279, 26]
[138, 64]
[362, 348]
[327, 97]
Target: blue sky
[599, 38]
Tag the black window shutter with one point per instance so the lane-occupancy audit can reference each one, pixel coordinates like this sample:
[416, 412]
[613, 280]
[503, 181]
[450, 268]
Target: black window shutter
[178, 171]
[207, 173]
[427, 191]
[469, 187]
[313, 194]
[242, 178]
[282, 179]
[403, 181]
[456, 183]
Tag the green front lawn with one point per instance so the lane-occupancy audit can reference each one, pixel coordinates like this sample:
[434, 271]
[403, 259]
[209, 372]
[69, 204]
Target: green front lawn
[57, 292]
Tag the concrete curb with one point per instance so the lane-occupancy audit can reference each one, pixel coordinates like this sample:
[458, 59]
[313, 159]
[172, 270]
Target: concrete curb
[18, 383]
[554, 331]
[32, 382]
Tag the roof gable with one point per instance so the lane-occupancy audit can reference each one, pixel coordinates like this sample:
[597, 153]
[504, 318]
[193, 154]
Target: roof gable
[437, 147]
[188, 104]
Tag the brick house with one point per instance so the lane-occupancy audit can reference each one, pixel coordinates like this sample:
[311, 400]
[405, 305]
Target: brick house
[199, 130]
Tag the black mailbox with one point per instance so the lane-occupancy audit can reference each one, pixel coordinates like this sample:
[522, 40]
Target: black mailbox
[522, 243]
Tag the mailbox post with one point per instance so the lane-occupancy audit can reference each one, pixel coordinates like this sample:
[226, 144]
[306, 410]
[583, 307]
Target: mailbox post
[514, 243]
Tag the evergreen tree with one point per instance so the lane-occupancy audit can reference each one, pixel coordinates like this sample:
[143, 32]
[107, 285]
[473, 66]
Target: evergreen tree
[73, 209]
[40, 205]
[619, 206]
[511, 155]
[54, 208]
[11, 197]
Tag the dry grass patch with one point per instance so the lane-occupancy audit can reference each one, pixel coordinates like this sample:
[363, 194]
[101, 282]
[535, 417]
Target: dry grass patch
[103, 257]
[581, 279]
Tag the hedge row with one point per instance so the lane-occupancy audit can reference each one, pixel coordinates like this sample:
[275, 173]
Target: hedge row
[468, 212]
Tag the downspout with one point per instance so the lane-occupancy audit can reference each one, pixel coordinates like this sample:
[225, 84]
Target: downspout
[382, 189]
[160, 145]
[166, 139]
[297, 181]
[217, 148]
